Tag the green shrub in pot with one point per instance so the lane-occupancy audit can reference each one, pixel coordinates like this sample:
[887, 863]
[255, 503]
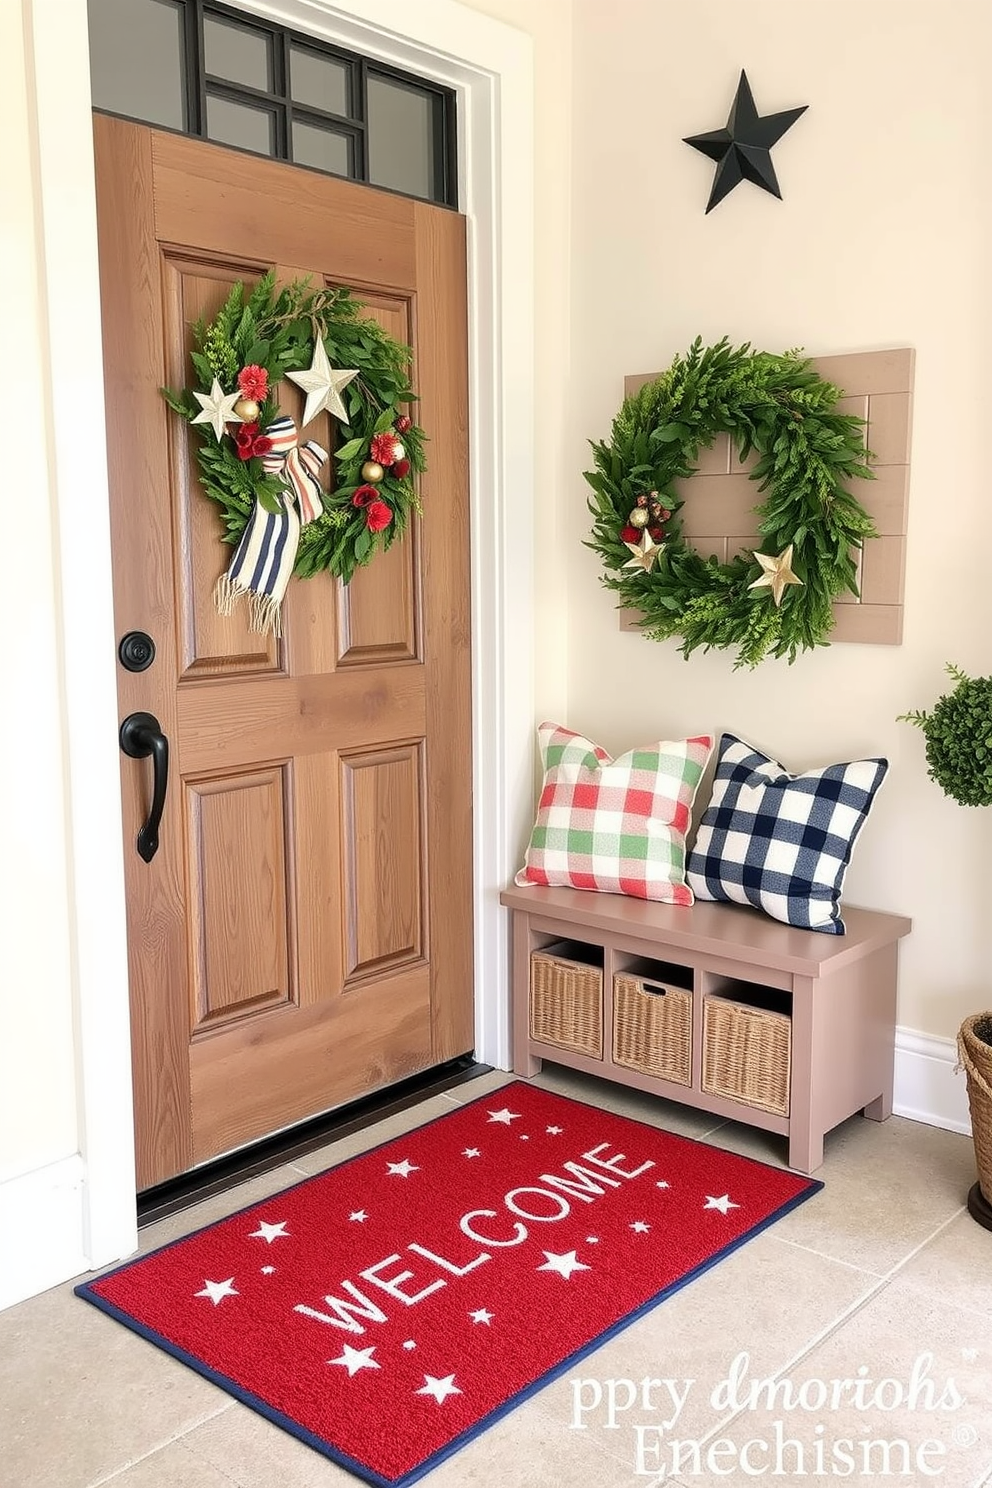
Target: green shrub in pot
[958, 733]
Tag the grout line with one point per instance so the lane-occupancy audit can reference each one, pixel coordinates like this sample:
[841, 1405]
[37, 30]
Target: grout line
[824, 1255]
[160, 1446]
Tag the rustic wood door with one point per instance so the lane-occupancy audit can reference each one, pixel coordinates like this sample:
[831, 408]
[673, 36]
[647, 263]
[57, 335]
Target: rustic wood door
[304, 934]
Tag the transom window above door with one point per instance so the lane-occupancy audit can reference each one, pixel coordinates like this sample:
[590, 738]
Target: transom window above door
[209, 70]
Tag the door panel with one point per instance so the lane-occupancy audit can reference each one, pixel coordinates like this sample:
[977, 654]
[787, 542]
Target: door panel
[195, 288]
[240, 903]
[382, 854]
[303, 936]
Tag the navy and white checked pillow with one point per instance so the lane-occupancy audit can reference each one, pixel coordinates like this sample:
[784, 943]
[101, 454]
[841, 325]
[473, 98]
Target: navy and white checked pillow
[781, 842]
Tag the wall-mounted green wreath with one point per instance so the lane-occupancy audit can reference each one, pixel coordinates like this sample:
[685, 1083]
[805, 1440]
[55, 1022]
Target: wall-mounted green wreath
[811, 526]
[257, 468]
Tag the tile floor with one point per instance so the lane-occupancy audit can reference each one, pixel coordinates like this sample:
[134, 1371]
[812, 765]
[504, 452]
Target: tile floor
[881, 1274]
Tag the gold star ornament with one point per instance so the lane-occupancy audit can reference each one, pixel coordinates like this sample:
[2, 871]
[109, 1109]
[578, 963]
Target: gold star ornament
[646, 552]
[217, 408]
[777, 574]
[322, 385]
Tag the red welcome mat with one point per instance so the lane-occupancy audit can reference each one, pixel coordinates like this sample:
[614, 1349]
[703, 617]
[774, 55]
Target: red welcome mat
[390, 1309]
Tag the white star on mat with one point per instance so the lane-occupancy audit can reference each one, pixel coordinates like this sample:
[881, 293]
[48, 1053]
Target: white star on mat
[439, 1388]
[268, 1270]
[269, 1232]
[592, 1239]
[359, 1216]
[723, 1203]
[563, 1264]
[217, 408]
[471, 1152]
[403, 1169]
[354, 1359]
[553, 1131]
[640, 1227]
[322, 385]
[482, 1316]
[410, 1344]
[524, 1137]
[505, 1116]
[218, 1290]
[663, 1184]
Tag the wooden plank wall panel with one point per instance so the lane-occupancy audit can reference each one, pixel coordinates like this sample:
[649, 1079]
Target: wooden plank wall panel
[383, 852]
[378, 616]
[238, 894]
[718, 515]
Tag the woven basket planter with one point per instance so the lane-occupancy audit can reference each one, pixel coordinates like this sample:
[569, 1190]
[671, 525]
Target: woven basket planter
[976, 1057]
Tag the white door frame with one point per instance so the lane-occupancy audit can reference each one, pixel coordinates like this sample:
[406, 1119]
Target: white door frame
[490, 67]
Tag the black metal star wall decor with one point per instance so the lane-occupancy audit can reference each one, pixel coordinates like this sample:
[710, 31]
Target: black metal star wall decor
[742, 151]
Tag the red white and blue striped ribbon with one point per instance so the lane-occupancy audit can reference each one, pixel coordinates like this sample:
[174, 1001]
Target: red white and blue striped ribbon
[264, 558]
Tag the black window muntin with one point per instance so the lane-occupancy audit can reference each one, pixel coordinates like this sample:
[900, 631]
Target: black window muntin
[284, 109]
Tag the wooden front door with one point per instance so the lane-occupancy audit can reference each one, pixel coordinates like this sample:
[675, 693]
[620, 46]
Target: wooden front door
[304, 934]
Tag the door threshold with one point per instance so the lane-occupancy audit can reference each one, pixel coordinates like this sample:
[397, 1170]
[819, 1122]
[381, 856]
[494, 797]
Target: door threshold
[223, 1173]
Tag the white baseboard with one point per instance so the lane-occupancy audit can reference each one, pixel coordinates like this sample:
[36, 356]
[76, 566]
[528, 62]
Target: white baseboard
[41, 1229]
[926, 1086]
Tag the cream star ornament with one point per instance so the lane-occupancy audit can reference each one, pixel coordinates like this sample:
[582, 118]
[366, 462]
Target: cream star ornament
[777, 574]
[217, 408]
[322, 385]
[646, 552]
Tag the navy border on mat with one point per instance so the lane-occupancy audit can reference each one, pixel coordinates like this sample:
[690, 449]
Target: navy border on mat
[85, 1290]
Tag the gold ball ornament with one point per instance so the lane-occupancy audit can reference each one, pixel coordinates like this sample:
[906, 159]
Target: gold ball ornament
[638, 517]
[372, 471]
[246, 409]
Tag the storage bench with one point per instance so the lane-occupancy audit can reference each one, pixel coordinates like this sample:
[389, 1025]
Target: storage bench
[716, 1006]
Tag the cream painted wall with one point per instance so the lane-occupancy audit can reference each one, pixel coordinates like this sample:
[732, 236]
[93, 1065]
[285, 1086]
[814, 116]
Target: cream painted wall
[549, 25]
[882, 239]
[37, 1079]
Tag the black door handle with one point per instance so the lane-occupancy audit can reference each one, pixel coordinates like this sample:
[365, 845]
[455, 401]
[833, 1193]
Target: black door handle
[141, 735]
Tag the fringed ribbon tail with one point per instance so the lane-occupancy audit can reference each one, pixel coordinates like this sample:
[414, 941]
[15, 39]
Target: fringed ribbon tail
[263, 561]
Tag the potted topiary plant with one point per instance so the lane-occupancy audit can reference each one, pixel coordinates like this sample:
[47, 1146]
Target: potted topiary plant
[958, 735]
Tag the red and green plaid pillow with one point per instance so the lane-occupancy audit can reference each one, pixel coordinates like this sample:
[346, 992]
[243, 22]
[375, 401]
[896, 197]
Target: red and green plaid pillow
[616, 825]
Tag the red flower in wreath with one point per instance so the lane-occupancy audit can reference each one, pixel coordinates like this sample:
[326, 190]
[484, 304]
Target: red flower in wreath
[250, 442]
[378, 516]
[656, 533]
[630, 534]
[383, 448]
[364, 495]
[253, 383]
[403, 423]
[401, 469]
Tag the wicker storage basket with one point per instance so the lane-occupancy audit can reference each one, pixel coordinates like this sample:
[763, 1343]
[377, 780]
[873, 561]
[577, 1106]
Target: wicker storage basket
[976, 1056]
[652, 1028]
[566, 1000]
[747, 1054]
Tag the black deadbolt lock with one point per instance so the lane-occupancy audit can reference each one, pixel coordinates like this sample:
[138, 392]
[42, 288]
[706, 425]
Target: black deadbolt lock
[136, 651]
